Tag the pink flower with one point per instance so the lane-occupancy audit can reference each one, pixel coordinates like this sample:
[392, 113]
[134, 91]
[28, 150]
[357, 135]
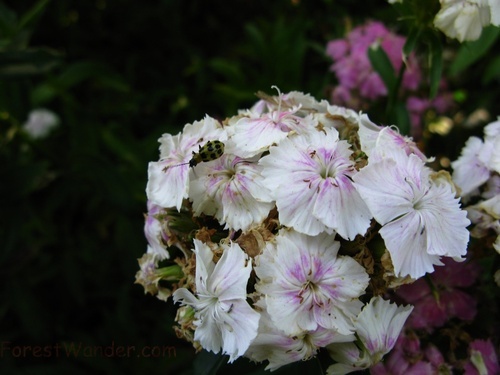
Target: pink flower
[445, 300]
[483, 359]
[353, 68]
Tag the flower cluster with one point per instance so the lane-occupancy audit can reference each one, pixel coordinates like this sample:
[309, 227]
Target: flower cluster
[359, 84]
[477, 173]
[288, 241]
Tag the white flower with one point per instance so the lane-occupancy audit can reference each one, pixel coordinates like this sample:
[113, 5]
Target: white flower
[376, 141]
[307, 285]
[253, 135]
[478, 160]
[469, 172]
[495, 12]
[377, 327]
[275, 346]
[422, 220]
[168, 182]
[349, 358]
[226, 189]
[379, 324]
[310, 177]
[465, 19]
[155, 233]
[490, 155]
[40, 122]
[224, 319]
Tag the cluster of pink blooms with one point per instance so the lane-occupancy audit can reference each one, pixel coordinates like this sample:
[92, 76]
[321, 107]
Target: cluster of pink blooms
[359, 84]
[293, 240]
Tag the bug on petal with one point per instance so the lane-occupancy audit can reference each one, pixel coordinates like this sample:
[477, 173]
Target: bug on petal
[211, 150]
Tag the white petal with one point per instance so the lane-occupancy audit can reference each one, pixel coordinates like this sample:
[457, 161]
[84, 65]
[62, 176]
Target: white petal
[379, 324]
[407, 245]
[185, 297]
[445, 223]
[341, 207]
[468, 171]
[383, 187]
[167, 186]
[230, 276]
[208, 333]
[239, 328]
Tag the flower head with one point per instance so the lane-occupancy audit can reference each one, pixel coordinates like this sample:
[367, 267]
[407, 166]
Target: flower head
[353, 68]
[307, 285]
[224, 319]
[280, 348]
[421, 218]
[227, 189]
[40, 123]
[168, 178]
[465, 19]
[377, 327]
[310, 177]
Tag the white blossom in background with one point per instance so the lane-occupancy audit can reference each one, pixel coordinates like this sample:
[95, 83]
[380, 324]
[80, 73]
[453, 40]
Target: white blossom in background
[469, 171]
[465, 19]
[168, 182]
[422, 221]
[308, 285]
[40, 123]
[476, 173]
[225, 321]
[378, 327]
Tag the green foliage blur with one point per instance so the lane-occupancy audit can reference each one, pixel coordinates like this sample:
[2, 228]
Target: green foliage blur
[118, 74]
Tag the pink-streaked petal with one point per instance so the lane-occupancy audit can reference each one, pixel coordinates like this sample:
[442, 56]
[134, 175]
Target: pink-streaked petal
[339, 206]
[379, 325]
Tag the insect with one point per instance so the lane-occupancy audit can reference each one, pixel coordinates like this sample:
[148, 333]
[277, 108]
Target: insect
[211, 150]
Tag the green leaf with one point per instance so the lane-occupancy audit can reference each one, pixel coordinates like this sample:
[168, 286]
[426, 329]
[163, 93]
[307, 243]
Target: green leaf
[492, 71]
[31, 15]
[81, 71]
[435, 65]
[470, 52]
[402, 118]
[383, 66]
[8, 21]
[411, 41]
[28, 62]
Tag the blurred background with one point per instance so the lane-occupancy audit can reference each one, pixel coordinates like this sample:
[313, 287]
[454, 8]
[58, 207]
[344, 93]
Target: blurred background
[114, 75]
